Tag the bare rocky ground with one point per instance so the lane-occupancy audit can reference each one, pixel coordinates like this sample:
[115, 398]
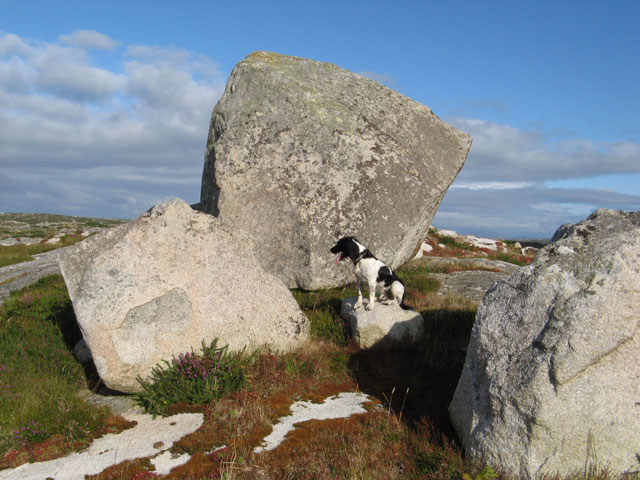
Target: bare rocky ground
[30, 228]
[14, 277]
[468, 277]
[40, 228]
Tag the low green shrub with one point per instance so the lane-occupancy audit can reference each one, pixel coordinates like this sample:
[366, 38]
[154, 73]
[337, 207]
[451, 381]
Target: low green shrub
[419, 279]
[193, 379]
[39, 377]
[452, 243]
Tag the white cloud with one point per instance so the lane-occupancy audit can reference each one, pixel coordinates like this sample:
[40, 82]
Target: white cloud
[11, 44]
[79, 137]
[516, 182]
[503, 153]
[534, 211]
[89, 39]
[490, 185]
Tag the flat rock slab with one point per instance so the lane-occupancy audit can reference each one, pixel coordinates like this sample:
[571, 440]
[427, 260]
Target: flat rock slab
[149, 438]
[471, 284]
[342, 405]
[469, 277]
[153, 438]
[388, 325]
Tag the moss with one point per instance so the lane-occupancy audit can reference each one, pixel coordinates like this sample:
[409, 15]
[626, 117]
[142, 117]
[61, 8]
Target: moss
[264, 56]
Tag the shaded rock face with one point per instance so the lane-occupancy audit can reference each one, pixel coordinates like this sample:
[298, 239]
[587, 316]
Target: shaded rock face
[301, 153]
[550, 381]
[158, 286]
[387, 325]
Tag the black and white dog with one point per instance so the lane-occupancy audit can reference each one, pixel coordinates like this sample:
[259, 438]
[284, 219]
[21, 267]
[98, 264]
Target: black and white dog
[370, 272]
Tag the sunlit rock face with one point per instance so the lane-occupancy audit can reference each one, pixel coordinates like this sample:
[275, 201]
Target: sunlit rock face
[162, 284]
[550, 382]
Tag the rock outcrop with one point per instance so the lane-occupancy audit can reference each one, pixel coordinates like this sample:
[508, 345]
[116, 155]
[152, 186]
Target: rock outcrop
[161, 284]
[550, 381]
[301, 153]
[387, 325]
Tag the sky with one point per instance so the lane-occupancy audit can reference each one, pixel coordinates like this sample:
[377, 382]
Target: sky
[105, 105]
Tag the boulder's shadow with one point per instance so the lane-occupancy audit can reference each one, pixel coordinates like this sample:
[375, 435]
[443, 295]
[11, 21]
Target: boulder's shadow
[418, 381]
[65, 319]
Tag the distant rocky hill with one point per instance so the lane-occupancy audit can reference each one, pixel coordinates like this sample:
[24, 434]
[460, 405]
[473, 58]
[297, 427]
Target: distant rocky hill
[32, 228]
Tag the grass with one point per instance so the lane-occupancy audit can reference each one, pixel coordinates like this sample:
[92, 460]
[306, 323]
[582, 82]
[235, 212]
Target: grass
[39, 376]
[322, 307]
[45, 226]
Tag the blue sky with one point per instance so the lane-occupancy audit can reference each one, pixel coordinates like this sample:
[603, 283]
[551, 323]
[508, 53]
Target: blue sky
[105, 105]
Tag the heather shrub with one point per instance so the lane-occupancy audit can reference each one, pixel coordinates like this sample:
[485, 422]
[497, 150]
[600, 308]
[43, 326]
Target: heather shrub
[193, 378]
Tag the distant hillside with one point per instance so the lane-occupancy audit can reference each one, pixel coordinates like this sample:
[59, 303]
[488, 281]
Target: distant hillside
[44, 226]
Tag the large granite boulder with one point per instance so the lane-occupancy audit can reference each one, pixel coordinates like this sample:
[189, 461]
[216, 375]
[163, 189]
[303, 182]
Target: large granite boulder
[301, 153]
[158, 286]
[550, 381]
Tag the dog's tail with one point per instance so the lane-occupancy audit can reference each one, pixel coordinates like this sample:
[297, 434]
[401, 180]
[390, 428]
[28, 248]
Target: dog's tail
[403, 305]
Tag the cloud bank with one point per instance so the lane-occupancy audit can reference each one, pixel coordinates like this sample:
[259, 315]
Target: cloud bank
[91, 126]
[504, 187]
[81, 138]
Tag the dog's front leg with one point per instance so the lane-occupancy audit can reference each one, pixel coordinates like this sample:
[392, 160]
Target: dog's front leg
[359, 302]
[372, 296]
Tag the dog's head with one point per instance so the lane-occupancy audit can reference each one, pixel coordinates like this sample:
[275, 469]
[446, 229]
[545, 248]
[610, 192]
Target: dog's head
[347, 247]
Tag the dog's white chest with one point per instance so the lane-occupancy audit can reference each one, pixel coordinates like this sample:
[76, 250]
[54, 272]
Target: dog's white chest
[367, 270]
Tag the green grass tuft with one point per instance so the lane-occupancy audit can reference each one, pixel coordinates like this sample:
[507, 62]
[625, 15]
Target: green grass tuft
[322, 307]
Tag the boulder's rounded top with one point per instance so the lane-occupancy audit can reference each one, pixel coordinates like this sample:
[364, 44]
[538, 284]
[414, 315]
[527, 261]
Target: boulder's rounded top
[262, 56]
[174, 204]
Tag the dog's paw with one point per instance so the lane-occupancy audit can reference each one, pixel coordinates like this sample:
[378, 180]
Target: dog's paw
[369, 307]
[357, 305]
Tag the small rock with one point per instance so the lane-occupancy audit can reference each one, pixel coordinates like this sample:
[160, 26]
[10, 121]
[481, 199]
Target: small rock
[30, 240]
[424, 248]
[82, 352]
[388, 324]
[448, 233]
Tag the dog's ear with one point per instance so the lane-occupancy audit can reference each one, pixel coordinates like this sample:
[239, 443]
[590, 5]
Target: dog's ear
[352, 250]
